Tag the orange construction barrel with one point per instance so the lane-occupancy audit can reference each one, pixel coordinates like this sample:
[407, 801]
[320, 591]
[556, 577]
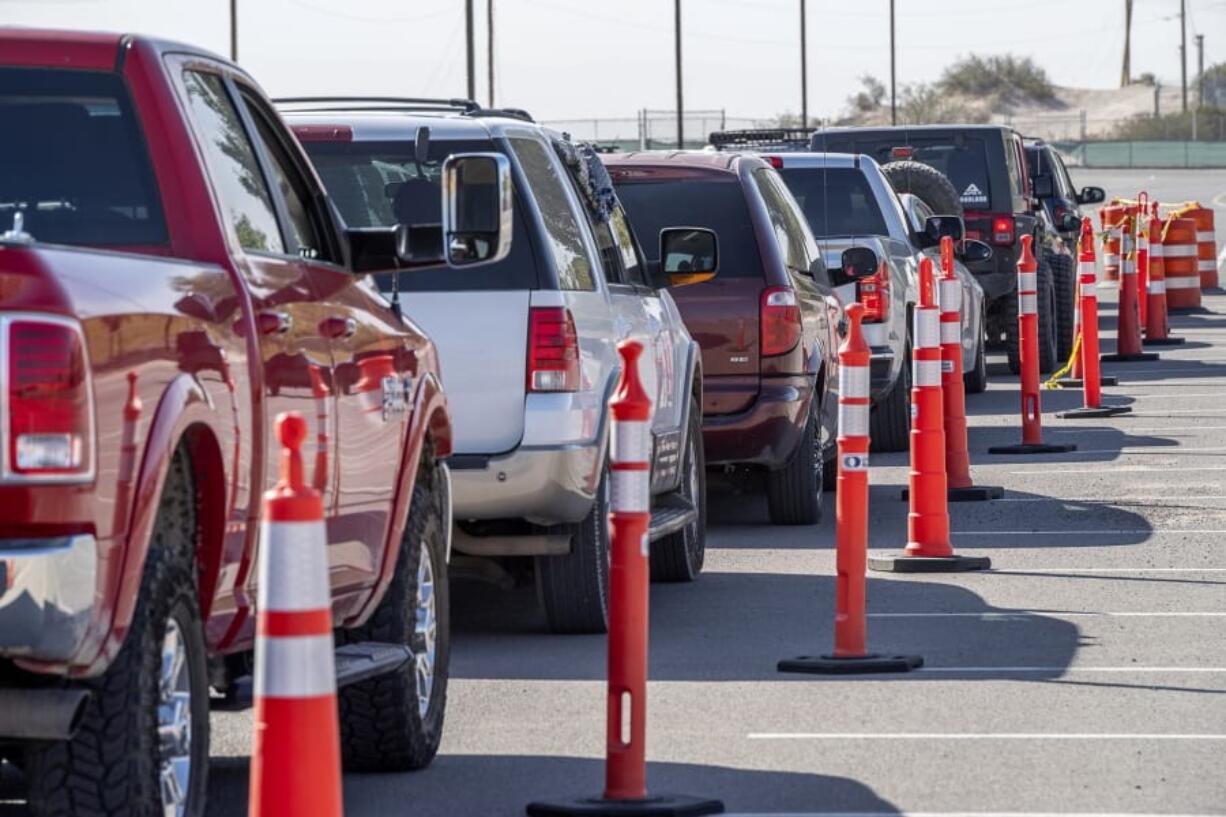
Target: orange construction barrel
[1206, 245]
[1180, 264]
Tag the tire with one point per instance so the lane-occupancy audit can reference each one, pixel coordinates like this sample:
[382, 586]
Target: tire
[1008, 315]
[889, 422]
[678, 557]
[976, 380]
[384, 725]
[574, 588]
[1063, 279]
[926, 183]
[1048, 319]
[112, 766]
[794, 492]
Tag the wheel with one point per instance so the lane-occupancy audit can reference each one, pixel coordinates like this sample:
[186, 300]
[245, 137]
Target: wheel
[976, 380]
[678, 557]
[394, 722]
[794, 492]
[574, 588]
[1008, 316]
[143, 745]
[926, 183]
[889, 422]
[1064, 282]
[1048, 319]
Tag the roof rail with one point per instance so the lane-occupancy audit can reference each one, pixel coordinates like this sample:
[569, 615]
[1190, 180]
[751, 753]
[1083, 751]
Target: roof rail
[379, 103]
[757, 138]
[509, 113]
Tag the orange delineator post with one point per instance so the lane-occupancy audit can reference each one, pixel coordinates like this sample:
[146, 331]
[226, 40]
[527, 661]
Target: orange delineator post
[625, 790]
[1028, 334]
[851, 653]
[295, 756]
[1157, 324]
[1142, 249]
[928, 548]
[1087, 285]
[1128, 315]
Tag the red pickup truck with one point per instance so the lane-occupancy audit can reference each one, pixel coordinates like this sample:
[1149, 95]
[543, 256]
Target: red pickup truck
[172, 276]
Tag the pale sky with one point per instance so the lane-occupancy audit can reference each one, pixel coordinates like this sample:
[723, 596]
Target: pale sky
[564, 59]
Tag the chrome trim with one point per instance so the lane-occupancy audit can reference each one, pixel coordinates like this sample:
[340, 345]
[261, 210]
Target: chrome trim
[47, 589]
[447, 511]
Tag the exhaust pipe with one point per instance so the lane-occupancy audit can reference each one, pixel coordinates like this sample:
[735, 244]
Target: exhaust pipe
[41, 714]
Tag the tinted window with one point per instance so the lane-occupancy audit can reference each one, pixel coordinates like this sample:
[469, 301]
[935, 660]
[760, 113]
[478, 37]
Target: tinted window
[73, 160]
[716, 205]
[561, 226]
[623, 237]
[795, 242]
[964, 160]
[231, 160]
[1013, 160]
[379, 184]
[835, 201]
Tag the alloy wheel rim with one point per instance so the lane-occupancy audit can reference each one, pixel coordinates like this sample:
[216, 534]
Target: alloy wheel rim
[425, 629]
[691, 492]
[174, 716]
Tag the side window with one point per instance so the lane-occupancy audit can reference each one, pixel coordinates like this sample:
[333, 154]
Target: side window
[304, 223]
[623, 238]
[1063, 179]
[240, 185]
[561, 225]
[792, 235]
[1015, 169]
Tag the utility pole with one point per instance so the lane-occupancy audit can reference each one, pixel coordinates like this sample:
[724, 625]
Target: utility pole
[893, 88]
[472, 73]
[1183, 50]
[234, 30]
[1200, 71]
[804, 71]
[489, 27]
[1126, 71]
[680, 102]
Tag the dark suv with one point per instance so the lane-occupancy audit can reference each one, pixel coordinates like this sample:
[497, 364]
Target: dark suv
[767, 324]
[987, 166]
[1055, 191]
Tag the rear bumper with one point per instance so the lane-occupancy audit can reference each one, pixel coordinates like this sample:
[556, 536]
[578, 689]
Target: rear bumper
[767, 432]
[546, 486]
[47, 589]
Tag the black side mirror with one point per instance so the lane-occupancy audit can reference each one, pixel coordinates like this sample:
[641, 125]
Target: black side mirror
[1069, 222]
[374, 248]
[937, 227]
[854, 264]
[1091, 195]
[688, 255]
[1043, 187]
[974, 251]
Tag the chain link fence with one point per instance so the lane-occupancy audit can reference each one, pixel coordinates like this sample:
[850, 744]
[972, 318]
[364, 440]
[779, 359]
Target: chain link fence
[653, 129]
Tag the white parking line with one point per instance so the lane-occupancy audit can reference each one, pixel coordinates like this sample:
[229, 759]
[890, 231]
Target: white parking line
[1057, 613]
[1022, 571]
[1123, 469]
[1135, 429]
[1128, 500]
[959, 814]
[1062, 670]
[1165, 451]
[980, 736]
[1079, 532]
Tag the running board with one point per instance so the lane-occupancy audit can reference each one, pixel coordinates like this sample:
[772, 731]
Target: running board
[670, 514]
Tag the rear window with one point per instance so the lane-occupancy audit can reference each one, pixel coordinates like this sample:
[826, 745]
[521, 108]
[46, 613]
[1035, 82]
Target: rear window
[835, 201]
[964, 160]
[379, 184]
[73, 160]
[716, 205]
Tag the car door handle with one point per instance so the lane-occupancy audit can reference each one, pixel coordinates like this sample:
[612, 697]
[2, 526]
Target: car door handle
[274, 323]
[338, 327]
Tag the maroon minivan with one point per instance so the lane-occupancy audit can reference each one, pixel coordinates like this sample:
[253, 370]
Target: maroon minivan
[767, 323]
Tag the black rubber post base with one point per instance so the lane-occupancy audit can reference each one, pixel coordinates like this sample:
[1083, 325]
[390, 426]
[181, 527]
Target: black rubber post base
[928, 564]
[1077, 382]
[1115, 357]
[1169, 340]
[1189, 310]
[1090, 413]
[1033, 448]
[860, 665]
[975, 493]
[659, 805]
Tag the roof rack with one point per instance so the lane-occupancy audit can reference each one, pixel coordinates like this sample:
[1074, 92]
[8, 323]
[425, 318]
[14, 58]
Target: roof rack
[379, 103]
[770, 138]
[509, 113]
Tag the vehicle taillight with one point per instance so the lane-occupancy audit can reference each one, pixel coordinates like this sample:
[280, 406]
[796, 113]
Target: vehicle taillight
[873, 293]
[902, 152]
[780, 321]
[553, 350]
[1002, 230]
[775, 161]
[50, 419]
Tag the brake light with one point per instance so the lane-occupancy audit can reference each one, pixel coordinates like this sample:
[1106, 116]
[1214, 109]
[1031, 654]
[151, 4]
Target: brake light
[873, 293]
[776, 161]
[903, 152]
[779, 321]
[1002, 230]
[553, 350]
[50, 418]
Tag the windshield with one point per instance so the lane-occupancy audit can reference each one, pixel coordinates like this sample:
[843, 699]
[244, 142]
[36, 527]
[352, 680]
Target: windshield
[962, 158]
[73, 160]
[836, 201]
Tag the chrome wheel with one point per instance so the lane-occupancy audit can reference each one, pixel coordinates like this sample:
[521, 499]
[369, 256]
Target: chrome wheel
[174, 723]
[425, 630]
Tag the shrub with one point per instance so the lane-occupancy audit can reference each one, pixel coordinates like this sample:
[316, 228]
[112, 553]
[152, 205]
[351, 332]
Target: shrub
[997, 76]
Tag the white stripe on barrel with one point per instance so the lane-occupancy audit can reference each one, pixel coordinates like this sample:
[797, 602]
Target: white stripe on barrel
[1156, 251]
[1179, 250]
[1157, 287]
[927, 333]
[1206, 265]
[1205, 237]
[1183, 282]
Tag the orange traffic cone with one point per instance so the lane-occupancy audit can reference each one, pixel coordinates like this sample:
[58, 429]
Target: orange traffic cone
[928, 549]
[295, 755]
[1128, 315]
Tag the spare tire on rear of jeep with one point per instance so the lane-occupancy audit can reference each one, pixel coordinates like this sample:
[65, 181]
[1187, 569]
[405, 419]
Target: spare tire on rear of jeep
[929, 184]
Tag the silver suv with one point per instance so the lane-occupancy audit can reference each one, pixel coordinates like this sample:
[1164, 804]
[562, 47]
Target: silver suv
[528, 345]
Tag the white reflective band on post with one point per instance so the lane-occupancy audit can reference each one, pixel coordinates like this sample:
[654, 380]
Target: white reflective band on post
[951, 295]
[1028, 303]
[300, 580]
[951, 332]
[1157, 287]
[927, 333]
[1183, 282]
[631, 441]
[1027, 281]
[853, 419]
[1179, 250]
[1205, 237]
[853, 381]
[1089, 290]
[1087, 269]
[1206, 265]
[631, 491]
[926, 372]
[300, 666]
[1111, 259]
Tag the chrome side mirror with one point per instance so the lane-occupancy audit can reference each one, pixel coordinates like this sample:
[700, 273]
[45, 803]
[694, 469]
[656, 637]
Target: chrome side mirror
[476, 208]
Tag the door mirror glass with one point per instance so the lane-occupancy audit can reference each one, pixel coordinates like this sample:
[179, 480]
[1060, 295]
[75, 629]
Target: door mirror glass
[688, 255]
[1091, 195]
[937, 227]
[854, 264]
[974, 252]
[1069, 222]
[476, 209]
[1043, 187]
